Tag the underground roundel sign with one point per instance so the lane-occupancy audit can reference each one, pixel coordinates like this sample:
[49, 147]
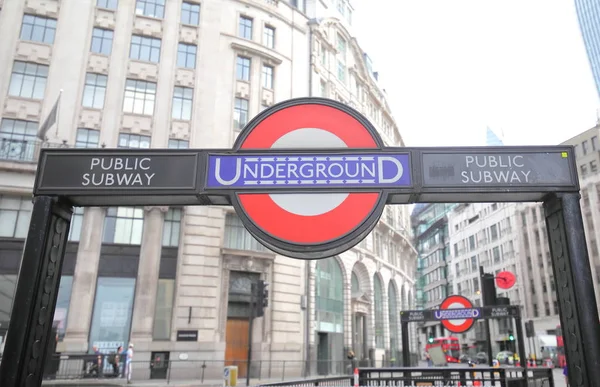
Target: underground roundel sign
[457, 321]
[307, 177]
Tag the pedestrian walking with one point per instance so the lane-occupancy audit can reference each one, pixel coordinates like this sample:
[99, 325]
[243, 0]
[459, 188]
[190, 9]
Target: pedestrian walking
[128, 361]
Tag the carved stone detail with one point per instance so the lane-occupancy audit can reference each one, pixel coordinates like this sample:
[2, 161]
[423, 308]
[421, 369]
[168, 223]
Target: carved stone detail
[188, 34]
[34, 52]
[105, 19]
[91, 119]
[98, 64]
[180, 130]
[22, 109]
[242, 89]
[143, 70]
[147, 26]
[42, 7]
[162, 209]
[184, 78]
[137, 124]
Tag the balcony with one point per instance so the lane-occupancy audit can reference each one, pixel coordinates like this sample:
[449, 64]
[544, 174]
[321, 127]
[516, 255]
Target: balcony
[21, 153]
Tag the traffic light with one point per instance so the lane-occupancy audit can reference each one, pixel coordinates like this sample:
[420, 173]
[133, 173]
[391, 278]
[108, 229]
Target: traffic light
[529, 329]
[511, 337]
[261, 297]
[489, 289]
[430, 339]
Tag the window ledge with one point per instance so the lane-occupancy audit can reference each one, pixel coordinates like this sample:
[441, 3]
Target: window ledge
[248, 253]
[246, 49]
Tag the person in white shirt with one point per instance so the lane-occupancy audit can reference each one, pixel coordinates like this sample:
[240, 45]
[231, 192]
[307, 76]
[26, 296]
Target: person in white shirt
[128, 362]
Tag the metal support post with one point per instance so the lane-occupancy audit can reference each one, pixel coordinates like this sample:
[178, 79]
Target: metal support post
[30, 325]
[521, 344]
[250, 325]
[405, 346]
[488, 337]
[576, 300]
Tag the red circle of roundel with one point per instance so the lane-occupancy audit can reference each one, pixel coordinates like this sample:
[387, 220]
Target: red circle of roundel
[300, 229]
[466, 304]
[505, 280]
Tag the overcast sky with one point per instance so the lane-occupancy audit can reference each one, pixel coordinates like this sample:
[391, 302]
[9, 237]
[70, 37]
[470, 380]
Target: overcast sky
[451, 68]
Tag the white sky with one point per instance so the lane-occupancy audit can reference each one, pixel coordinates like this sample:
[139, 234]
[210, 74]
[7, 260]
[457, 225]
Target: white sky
[453, 67]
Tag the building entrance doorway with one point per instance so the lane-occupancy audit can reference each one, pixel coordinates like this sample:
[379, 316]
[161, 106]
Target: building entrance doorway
[236, 344]
[359, 331]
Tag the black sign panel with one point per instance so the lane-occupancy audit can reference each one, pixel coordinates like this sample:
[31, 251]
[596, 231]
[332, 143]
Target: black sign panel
[187, 335]
[487, 312]
[498, 168]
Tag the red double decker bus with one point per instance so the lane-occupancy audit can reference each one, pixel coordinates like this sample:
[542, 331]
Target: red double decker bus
[450, 346]
[560, 348]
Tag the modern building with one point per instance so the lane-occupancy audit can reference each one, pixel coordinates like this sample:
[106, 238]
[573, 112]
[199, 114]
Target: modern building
[541, 304]
[430, 228]
[484, 234]
[179, 74]
[588, 14]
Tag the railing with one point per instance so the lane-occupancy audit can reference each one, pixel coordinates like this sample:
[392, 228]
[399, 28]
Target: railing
[76, 367]
[435, 376]
[27, 151]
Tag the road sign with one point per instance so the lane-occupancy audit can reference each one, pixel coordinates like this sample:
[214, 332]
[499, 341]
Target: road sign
[298, 221]
[462, 320]
[505, 280]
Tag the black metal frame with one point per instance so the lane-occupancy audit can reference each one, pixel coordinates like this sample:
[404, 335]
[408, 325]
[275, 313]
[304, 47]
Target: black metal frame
[37, 289]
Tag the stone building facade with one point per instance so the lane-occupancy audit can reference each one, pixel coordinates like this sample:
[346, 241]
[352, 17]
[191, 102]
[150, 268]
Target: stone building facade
[179, 74]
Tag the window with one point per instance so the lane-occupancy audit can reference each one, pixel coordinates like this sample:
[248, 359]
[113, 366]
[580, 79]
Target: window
[94, 91]
[267, 74]
[38, 29]
[329, 296]
[341, 71]
[245, 28]
[151, 8]
[496, 252]
[76, 223]
[341, 46]
[378, 307]
[8, 285]
[87, 138]
[494, 232]
[190, 13]
[28, 80]
[243, 69]
[240, 113]
[145, 48]
[15, 213]
[584, 147]
[323, 55]
[165, 294]
[237, 237]
[134, 141]
[593, 166]
[583, 169]
[178, 144]
[18, 140]
[595, 143]
[62, 305]
[102, 41]
[323, 89]
[269, 36]
[108, 4]
[123, 225]
[111, 318]
[182, 103]
[139, 97]
[186, 56]
[172, 227]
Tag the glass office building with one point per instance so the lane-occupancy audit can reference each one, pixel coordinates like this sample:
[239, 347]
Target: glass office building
[588, 14]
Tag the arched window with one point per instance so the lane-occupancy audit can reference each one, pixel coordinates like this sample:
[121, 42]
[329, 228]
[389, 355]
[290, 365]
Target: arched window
[378, 298]
[329, 296]
[393, 316]
[355, 286]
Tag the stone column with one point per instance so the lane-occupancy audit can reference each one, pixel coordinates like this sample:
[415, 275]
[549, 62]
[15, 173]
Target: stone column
[84, 282]
[147, 279]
